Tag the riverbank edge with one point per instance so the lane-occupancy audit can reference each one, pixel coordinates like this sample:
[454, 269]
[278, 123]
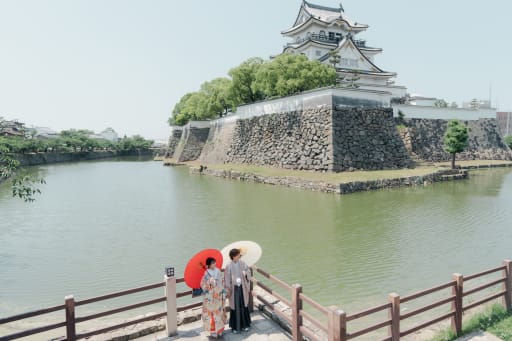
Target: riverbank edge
[34, 159]
[348, 187]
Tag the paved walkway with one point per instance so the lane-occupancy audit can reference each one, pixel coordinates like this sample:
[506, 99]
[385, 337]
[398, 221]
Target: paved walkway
[262, 328]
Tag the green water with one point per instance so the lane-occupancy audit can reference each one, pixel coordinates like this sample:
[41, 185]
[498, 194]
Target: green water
[104, 226]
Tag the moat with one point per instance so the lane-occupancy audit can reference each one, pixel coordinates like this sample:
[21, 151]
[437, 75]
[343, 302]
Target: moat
[102, 226]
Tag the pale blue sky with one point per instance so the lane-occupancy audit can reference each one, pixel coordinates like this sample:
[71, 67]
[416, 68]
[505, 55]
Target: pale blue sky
[124, 63]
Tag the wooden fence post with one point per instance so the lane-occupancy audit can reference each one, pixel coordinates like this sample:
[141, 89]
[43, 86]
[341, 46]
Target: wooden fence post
[458, 291]
[70, 318]
[296, 308]
[508, 284]
[337, 325]
[171, 305]
[251, 300]
[394, 315]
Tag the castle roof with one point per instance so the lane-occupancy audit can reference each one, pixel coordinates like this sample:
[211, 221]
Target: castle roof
[323, 15]
[368, 67]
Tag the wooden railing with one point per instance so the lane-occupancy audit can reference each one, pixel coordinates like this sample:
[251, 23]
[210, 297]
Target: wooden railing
[69, 308]
[330, 322]
[338, 322]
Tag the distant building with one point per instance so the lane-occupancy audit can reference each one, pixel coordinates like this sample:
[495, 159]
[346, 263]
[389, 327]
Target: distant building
[504, 120]
[420, 100]
[109, 134]
[477, 104]
[12, 128]
[45, 133]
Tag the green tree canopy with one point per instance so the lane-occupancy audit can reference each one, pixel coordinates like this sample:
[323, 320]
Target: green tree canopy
[243, 77]
[289, 73]
[508, 141]
[455, 139]
[251, 81]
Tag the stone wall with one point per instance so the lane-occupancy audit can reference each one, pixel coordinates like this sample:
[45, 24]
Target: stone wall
[317, 139]
[424, 140]
[294, 140]
[174, 140]
[191, 143]
[219, 141]
[366, 139]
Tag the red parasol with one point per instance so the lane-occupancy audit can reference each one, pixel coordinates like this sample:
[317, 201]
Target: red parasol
[196, 266]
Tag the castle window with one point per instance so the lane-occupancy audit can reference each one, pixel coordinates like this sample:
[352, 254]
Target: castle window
[332, 36]
[322, 34]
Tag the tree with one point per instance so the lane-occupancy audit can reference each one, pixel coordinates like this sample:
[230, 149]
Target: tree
[454, 105]
[455, 139]
[440, 103]
[508, 141]
[23, 185]
[289, 74]
[243, 77]
[219, 97]
[334, 58]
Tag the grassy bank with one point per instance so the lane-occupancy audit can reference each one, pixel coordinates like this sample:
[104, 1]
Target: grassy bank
[334, 178]
[495, 320]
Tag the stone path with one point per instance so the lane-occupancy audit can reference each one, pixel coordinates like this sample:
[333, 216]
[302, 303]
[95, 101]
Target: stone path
[479, 336]
[262, 328]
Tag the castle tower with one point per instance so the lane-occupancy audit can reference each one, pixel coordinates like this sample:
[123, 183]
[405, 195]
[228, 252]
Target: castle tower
[320, 31]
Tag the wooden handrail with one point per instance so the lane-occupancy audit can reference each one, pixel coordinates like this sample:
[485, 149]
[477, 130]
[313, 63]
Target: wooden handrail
[314, 304]
[184, 293]
[121, 325]
[484, 286]
[120, 293]
[272, 292]
[313, 320]
[483, 273]
[32, 314]
[264, 301]
[368, 311]
[369, 329]
[484, 300]
[33, 331]
[310, 335]
[119, 310]
[272, 278]
[190, 306]
[428, 291]
[428, 307]
[426, 324]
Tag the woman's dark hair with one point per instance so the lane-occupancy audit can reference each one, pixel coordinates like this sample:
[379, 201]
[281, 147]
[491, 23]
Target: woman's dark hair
[233, 253]
[210, 261]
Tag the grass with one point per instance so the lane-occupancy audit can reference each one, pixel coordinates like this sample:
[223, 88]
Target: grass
[503, 329]
[328, 177]
[495, 320]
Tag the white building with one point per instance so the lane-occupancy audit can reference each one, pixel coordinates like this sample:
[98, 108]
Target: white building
[45, 133]
[109, 134]
[319, 30]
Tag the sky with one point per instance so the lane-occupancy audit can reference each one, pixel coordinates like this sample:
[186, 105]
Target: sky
[92, 64]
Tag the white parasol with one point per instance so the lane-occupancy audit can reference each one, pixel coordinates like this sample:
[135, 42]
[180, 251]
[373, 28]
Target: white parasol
[250, 251]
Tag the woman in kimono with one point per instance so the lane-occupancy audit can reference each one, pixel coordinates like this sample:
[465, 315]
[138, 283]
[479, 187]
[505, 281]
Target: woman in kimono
[237, 277]
[212, 284]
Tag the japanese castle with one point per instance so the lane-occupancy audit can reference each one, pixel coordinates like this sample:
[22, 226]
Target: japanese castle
[319, 32]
